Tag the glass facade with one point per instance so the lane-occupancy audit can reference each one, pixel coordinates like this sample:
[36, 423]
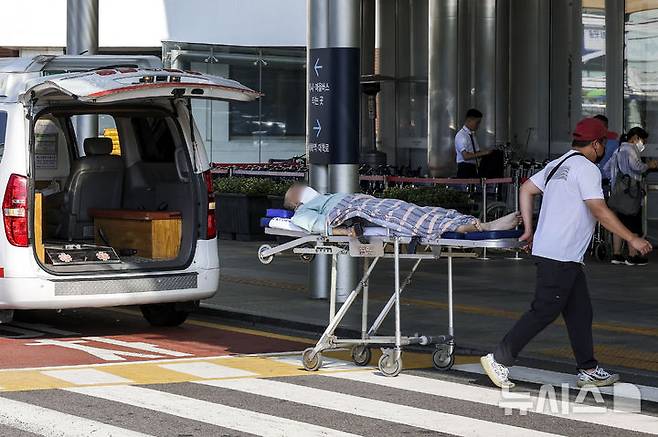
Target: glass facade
[641, 75]
[593, 71]
[270, 127]
[582, 80]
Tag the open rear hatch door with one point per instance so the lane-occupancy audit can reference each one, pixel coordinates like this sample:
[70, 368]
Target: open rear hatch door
[128, 84]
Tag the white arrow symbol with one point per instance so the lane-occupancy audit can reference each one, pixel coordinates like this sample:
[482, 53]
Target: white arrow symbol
[317, 128]
[317, 67]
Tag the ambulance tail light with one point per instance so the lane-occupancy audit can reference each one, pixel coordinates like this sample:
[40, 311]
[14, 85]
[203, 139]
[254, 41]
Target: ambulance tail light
[14, 211]
[211, 228]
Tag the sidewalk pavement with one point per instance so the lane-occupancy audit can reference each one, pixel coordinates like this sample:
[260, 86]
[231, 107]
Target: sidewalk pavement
[489, 296]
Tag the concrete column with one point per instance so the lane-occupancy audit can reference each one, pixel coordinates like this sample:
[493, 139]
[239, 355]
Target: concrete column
[529, 73]
[566, 72]
[345, 16]
[442, 86]
[367, 68]
[501, 126]
[82, 39]
[485, 79]
[320, 268]
[386, 65]
[334, 24]
[317, 36]
[614, 63]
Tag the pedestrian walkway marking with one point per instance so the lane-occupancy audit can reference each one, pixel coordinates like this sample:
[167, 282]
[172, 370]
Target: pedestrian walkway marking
[374, 409]
[328, 364]
[51, 423]
[86, 376]
[490, 396]
[203, 411]
[206, 370]
[240, 418]
[541, 376]
[164, 371]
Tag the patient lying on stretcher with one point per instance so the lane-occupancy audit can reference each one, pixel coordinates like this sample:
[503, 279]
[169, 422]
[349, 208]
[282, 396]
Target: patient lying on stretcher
[328, 214]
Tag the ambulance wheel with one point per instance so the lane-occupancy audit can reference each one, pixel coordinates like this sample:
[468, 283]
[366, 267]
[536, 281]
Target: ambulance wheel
[442, 359]
[389, 366]
[164, 314]
[361, 355]
[310, 362]
[265, 259]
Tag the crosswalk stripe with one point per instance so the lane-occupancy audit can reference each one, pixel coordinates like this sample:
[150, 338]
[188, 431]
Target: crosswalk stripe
[541, 376]
[329, 364]
[488, 396]
[207, 412]
[206, 370]
[420, 418]
[51, 423]
[86, 376]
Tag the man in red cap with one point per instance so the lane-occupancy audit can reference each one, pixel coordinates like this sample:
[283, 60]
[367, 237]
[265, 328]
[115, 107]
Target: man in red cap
[572, 204]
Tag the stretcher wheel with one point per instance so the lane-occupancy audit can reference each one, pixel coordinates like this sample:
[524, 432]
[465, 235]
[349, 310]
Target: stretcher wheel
[389, 366]
[442, 359]
[265, 259]
[310, 362]
[307, 257]
[361, 355]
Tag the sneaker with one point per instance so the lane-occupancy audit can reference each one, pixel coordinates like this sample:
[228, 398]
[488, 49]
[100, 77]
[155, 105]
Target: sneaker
[598, 377]
[637, 261]
[498, 373]
[618, 259]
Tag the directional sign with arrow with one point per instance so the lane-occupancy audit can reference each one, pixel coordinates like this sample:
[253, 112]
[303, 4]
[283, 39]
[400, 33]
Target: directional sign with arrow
[317, 67]
[333, 108]
[317, 128]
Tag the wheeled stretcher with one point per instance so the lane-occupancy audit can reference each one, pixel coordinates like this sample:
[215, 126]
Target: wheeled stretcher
[381, 244]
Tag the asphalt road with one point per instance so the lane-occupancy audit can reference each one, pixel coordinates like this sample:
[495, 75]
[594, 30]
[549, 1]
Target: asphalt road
[231, 380]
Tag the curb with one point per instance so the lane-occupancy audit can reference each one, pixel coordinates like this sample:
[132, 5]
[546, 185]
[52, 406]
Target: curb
[262, 321]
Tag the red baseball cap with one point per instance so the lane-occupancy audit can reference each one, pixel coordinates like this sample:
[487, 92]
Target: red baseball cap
[590, 129]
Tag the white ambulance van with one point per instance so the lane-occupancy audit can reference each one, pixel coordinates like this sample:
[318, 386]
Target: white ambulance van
[122, 217]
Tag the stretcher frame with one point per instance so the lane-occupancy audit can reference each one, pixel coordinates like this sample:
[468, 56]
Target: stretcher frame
[390, 363]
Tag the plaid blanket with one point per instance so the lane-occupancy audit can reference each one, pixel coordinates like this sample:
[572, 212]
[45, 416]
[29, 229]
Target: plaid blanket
[401, 217]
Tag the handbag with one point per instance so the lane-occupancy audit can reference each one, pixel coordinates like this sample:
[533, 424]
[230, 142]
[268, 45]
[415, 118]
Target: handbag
[626, 195]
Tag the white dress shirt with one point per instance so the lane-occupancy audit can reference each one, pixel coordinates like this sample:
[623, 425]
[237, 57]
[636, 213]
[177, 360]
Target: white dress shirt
[466, 141]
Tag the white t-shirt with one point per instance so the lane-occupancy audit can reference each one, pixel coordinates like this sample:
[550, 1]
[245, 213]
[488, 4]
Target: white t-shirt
[566, 224]
[463, 144]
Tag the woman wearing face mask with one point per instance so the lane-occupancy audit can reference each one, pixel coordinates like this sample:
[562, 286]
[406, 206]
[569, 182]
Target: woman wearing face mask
[626, 163]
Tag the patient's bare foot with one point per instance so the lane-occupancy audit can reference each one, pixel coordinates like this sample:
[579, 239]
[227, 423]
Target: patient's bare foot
[510, 221]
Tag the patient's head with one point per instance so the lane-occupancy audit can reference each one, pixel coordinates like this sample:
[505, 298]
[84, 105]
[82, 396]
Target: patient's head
[297, 194]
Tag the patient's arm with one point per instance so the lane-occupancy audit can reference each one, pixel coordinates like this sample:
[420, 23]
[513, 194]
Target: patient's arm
[310, 220]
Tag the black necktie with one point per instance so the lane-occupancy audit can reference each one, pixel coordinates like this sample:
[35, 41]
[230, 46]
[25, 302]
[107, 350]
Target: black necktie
[470, 134]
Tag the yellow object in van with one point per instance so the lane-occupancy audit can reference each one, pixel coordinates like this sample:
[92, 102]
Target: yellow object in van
[114, 134]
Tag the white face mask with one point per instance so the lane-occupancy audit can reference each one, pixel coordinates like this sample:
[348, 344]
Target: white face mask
[308, 194]
[640, 146]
